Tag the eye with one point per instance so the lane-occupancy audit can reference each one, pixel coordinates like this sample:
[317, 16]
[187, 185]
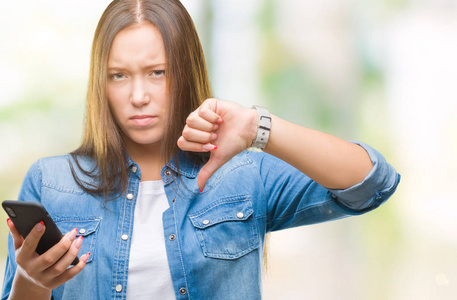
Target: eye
[158, 73]
[117, 76]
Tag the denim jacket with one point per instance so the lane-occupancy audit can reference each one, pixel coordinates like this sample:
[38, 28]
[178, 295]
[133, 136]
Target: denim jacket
[214, 239]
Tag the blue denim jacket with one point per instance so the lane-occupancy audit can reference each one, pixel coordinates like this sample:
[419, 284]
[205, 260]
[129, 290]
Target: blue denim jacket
[214, 240]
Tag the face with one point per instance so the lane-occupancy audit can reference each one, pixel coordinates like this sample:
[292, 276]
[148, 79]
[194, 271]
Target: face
[136, 84]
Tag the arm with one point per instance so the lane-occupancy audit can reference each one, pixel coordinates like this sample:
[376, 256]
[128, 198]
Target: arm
[330, 161]
[29, 275]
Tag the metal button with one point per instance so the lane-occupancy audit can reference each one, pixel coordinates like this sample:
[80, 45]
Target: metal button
[172, 237]
[206, 222]
[182, 291]
[134, 169]
[240, 215]
[130, 196]
[125, 237]
[167, 172]
[118, 288]
[82, 231]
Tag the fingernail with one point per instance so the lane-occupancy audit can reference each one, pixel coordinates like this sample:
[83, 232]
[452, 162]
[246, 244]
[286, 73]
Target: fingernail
[85, 257]
[79, 242]
[72, 234]
[220, 121]
[209, 147]
[213, 136]
[216, 126]
[39, 227]
[201, 191]
[8, 220]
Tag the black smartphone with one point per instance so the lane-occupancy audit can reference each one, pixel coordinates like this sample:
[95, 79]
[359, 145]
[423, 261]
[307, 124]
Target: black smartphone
[25, 215]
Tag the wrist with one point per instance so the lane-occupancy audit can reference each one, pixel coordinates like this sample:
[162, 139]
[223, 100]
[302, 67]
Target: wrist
[23, 287]
[254, 124]
[263, 127]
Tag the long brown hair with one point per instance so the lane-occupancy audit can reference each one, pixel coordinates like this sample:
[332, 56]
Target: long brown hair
[187, 81]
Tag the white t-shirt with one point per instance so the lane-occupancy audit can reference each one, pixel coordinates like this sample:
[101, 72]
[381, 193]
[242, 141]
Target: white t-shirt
[149, 275]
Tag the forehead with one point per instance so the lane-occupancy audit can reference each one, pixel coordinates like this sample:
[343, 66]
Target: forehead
[137, 43]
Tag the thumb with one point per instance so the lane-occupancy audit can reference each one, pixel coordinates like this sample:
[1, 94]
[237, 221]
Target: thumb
[208, 170]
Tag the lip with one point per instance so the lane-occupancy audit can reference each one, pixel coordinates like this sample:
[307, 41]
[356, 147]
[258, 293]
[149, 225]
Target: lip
[142, 120]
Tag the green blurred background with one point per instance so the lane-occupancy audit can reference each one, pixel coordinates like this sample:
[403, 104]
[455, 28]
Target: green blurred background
[379, 71]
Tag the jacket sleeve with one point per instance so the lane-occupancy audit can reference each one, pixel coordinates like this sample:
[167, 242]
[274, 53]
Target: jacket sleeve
[30, 191]
[293, 199]
[375, 189]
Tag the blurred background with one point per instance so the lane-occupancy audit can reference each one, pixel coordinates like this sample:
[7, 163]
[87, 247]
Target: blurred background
[379, 71]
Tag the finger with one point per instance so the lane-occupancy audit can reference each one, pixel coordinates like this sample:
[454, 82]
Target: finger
[208, 170]
[186, 145]
[31, 241]
[208, 111]
[70, 273]
[197, 122]
[198, 136]
[17, 237]
[64, 262]
[51, 256]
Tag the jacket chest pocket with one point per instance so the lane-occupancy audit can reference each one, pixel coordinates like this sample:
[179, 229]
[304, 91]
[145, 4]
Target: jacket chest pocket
[226, 229]
[87, 228]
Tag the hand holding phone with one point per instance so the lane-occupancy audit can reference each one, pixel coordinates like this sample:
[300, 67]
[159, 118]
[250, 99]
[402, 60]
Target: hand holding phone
[37, 275]
[25, 215]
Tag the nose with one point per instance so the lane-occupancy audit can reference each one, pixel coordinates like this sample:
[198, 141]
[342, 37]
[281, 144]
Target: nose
[139, 95]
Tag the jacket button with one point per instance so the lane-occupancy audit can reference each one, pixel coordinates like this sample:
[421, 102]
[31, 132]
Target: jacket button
[124, 237]
[82, 231]
[167, 172]
[206, 222]
[118, 288]
[182, 291]
[130, 196]
[172, 237]
[134, 169]
[240, 215]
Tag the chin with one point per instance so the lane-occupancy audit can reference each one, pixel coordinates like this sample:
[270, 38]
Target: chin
[148, 141]
[144, 140]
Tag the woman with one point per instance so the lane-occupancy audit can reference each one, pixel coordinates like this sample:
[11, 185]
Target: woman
[149, 220]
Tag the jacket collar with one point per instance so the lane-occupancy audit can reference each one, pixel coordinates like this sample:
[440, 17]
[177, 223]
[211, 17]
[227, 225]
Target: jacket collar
[187, 167]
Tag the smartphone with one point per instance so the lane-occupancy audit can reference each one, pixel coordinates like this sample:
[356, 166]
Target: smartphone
[25, 215]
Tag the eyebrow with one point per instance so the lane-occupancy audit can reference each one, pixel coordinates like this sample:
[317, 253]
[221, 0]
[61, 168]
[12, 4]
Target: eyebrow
[150, 66]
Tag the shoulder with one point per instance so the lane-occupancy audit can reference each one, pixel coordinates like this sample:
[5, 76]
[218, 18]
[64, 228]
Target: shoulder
[47, 165]
[51, 173]
[57, 172]
[252, 158]
[253, 162]
[265, 162]
[61, 164]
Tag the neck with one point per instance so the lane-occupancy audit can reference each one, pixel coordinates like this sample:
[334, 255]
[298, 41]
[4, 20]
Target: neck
[148, 158]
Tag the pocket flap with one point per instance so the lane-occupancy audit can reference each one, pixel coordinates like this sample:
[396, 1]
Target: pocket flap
[85, 227]
[238, 209]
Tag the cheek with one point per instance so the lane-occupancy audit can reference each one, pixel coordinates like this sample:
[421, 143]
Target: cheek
[115, 100]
